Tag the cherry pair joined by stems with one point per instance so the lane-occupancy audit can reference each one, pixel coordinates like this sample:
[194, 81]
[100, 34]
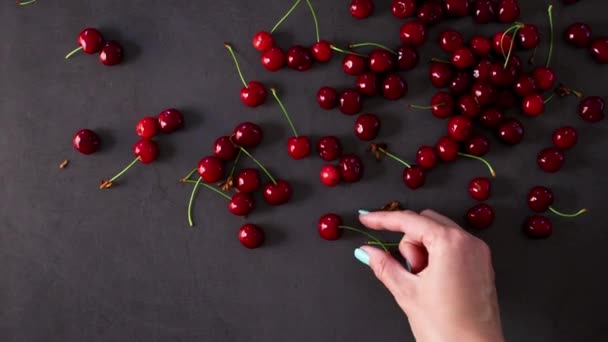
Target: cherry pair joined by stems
[330, 227]
[413, 176]
[298, 146]
[145, 151]
[91, 41]
[86, 141]
[276, 193]
[253, 94]
[447, 149]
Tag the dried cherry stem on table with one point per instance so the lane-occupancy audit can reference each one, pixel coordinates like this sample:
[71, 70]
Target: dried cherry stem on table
[73, 52]
[257, 162]
[346, 52]
[197, 183]
[352, 229]
[236, 62]
[106, 184]
[314, 17]
[276, 97]
[487, 164]
[276, 26]
[353, 46]
[577, 214]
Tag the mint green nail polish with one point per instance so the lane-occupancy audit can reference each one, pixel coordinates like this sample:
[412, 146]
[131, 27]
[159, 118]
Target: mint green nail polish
[363, 212]
[362, 256]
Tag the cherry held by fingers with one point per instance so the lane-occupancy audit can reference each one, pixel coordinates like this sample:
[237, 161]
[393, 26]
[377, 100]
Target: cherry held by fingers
[86, 141]
[251, 236]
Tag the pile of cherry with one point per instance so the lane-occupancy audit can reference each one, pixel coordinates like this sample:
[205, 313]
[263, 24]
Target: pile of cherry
[91, 41]
[478, 81]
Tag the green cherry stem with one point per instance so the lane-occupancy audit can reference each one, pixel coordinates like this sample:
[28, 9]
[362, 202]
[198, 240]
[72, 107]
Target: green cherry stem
[387, 153]
[366, 234]
[108, 183]
[314, 17]
[426, 107]
[548, 99]
[73, 52]
[236, 161]
[24, 3]
[353, 46]
[276, 26]
[559, 213]
[466, 155]
[387, 244]
[257, 162]
[514, 28]
[346, 52]
[276, 97]
[191, 201]
[550, 13]
[236, 62]
[439, 60]
[188, 176]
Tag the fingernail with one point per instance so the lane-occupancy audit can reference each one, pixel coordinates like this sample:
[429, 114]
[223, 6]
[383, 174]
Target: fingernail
[362, 256]
[363, 212]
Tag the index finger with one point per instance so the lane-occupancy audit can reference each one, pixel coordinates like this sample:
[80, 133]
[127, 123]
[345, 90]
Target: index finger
[419, 229]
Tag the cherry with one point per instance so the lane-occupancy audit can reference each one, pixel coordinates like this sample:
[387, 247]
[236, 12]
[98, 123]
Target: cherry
[353, 65]
[483, 11]
[298, 146]
[327, 98]
[511, 132]
[450, 40]
[501, 76]
[426, 157]
[329, 227]
[457, 8]
[599, 50]
[394, 87]
[329, 148]
[248, 180]
[361, 9]
[460, 128]
[538, 227]
[351, 168]
[147, 127]
[330, 175]
[483, 92]
[533, 105]
[491, 117]
[247, 134]
[262, 41]
[461, 83]
[525, 85]
[544, 78]
[299, 58]
[350, 102]
[501, 43]
[86, 141]
[447, 149]
[480, 216]
[508, 11]
[403, 8]
[442, 105]
[468, 106]
[564, 137]
[463, 58]
[145, 151]
[430, 13]
[381, 61]
[211, 169]
[224, 148]
[505, 99]
[528, 37]
[481, 46]
[481, 71]
[550, 159]
[367, 84]
[367, 127]
[591, 109]
[478, 145]
[251, 236]
[413, 33]
[480, 188]
[407, 58]
[170, 120]
[111, 53]
[273, 59]
[277, 193]
[414, 177]
[440, 74]
[540, 199]
[321, 51]
[253, 94]
[89, 40]
[241, 204]
[578, 35]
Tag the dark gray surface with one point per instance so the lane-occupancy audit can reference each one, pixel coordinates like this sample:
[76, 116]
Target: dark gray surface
[79, 264]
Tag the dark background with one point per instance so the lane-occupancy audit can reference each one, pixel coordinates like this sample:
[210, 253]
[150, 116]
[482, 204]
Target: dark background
[79, 264]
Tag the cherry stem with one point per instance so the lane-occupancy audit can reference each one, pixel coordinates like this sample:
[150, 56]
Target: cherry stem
[314, 17]
[550, 12]
[366, 234]
[513, 28]
[236, 161]
[387, 244]
[352, 46]
[187, 177]
[236, 62]
[73, 52]
[395, 157]
[276, 26]
[549, 98]
[192, 195]
[427, 107]
[260, 165]
[335, 48]
[118, 175]
[559, 213]
[439, 60]
[481, 160]
[23, 3]
[276, 97]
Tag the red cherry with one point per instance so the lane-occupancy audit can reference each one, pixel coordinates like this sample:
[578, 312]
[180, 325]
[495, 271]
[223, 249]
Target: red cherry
[224, 148]
[442, 105]
[394, 87]
[501, 43]
[251, 236]
[86, 141]
[413, 33]
[254, 94]
[329, 148]
[447, 149]
[211, 169]
[262, 41]
[481, 71]
[461, 83]
[299, 58]
[508, 11]
[351, 168]
[533, 105]
[457, 8]
[170, 120]
[478, 145]
[481, 46]
[480, 216]
[468, 106]
[146, 150]
[361, 9]
[147, 127]
[525, 85]
[248, 181]
[528, 37]
[407, 58]
[298, 147]
[544, 78]
[247, 134]
[430, 13]
[403, 8]
[381, 61]
[111, 53]
[591, 109]
[463, 58]
[273, 59]
[501, 76]
[460, 128]
[329, 227]
[540, 199]
[450, 40]
[511, 132]
[426, 157]
[550, 159]
[491, 117]
[90, 40]
[480, 188]
[353, 65]
[564, 137]
[599, 49]
[538, 227]
[321, 51]
[483, 11]
[367, 126]
[241, 204]
[578, 35]
[414, 177]
[330, 175]
[277, 194]
[350, 102]
[327, 98]
[367, 84]
[484, 92]
[440, 74]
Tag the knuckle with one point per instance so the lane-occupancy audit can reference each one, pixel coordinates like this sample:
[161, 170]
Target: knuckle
[428, 212]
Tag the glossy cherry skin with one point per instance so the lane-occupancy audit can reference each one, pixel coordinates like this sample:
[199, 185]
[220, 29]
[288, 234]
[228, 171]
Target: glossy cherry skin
[90, 40]
[484, 92]
[413, 33]
[481, 46]
[461, 83]
[330, 175]
[440, 74]
[254, 94]
[277, 194]
[591, 109]
[146, 150]
[426, 157]
[403, 8]
[329, 148]
[248, 180]
[463, 58]
[599, 50]
[460, 128]
[528, 37]
[248, 135]
[111, 53]
[564, 137]
[550, 159]
[468, 106]
[350, 102]
[361, 9]
[450, 40]
[329, 227]
[480, 216]
[501, 43]
[483, 11]
[538, 227]
[414, 177]
[170, 120]
[511, 132]
[578, 35]
[367, 127]
[251, 236]
[367, 84]
[478, 145]
[147, 127]
[211, 169]
[299, 58]
[353, 65]
[540, 199]
[491, 117]
[480, 188]
[321, 51]
[481, 72]
[224, 148]
[457, 8]
[447, 149]
[407, 58]
[351, 168]
[241, 204]
[394, 87]
[430, 13]
[262, 41]
[524, 86]
[544, 78]
[327, 98]
[533, 105]
[298, 147]
[508, 11]
[381, 61]
[273, 59]
[442, 105]
[86, 141]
